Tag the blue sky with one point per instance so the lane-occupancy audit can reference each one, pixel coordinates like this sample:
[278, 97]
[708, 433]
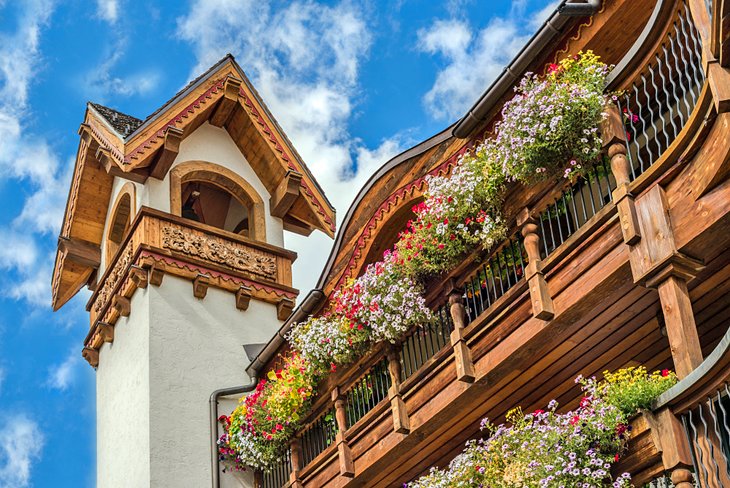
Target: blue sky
[352, 84]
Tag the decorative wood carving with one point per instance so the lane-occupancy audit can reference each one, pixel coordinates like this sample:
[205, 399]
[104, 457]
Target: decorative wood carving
[243, 297]
[200, 286]
[106, 331]
[138, 275]
[122, 305]
[284, 308]
[542, 302]
[111, 281]
[91, 356]
[219, 251]
[462, 354]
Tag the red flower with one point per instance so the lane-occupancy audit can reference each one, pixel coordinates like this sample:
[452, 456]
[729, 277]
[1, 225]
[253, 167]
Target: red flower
[615, 458]
[440, 246]
[575, 420]
[585, 401]
[553, 68]
[538, 412]
[665, 372]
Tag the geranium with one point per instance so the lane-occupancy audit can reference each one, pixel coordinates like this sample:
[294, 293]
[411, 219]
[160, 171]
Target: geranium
[459, 213]
[384, 300]
[551, 125]
[329, 341]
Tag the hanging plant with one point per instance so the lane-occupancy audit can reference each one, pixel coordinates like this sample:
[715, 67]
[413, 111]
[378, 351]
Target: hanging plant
[551, 125]
[329, 341]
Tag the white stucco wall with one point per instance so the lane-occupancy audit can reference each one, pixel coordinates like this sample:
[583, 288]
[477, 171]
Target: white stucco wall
[213, 144]
[123, 401]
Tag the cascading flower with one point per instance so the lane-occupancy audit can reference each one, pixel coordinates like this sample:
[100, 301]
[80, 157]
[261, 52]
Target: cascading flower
[329, 341]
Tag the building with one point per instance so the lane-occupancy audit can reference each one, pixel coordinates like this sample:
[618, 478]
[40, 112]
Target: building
[628, 266]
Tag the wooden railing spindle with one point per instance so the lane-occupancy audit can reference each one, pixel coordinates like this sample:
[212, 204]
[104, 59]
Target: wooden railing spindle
[542, 303]
[462, 354]
[401, 422]
[344, 454]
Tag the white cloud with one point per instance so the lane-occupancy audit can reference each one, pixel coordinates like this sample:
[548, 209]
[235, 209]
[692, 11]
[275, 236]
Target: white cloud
[473, 59]
[61, 376]
[108, 10]
[27, 157]
[304, 60]
[21, 444]
[2, 379]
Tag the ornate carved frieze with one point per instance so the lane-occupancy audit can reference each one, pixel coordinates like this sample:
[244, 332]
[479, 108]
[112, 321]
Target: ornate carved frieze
[105, 293]
[220, 251]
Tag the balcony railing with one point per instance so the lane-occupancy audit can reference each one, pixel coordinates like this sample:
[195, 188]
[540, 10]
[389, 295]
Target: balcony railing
[663, 96]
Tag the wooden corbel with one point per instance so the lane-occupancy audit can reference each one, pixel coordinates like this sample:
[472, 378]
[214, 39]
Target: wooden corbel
[156, 273]
[462, 354]
[200, 285]
[285, 194]
[542, 302]
[669, 438]
[138, 275]
[122, 305]
[284, 308]
[103, 155]
[168, 152]
[91, 356]
[106, 332]
[80, 252]
[614, 142]
[243, 297]
[401, 421]
[344, 454]
[227, 103]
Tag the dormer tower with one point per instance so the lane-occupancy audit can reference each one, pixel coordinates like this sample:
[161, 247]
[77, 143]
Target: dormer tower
[175, 223]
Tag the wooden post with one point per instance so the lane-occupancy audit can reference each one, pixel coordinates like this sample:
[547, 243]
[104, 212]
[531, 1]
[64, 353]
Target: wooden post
[668, 436]
[401, 422]
[614, 140]
[462, 354]
[347, 466]
[296, 463]
[542, 302]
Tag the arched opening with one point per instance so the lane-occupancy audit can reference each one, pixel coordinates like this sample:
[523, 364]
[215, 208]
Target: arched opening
[121, 221]
[388, 234]
[216, 196]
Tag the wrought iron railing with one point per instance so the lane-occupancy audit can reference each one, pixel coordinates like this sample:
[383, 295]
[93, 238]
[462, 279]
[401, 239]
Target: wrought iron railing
[708, 432]
[278, 475]
[663, 481]
[425, 341]
[318, 436]
[661, 100]
[500, 272]
[367, 392]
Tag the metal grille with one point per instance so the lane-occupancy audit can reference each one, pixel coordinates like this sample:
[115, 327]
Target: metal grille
[367, 392]
[278, 475]
[708, 431]
[665, 482]
[658, 105]
[574, 207]
[319, 436]
[425, 341]
[498, 274]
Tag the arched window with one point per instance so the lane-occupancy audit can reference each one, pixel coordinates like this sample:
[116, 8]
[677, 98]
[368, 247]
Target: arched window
[121, 220]
[216, 196]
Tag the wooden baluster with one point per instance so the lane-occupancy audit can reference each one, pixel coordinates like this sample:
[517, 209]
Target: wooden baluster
[542, 302]
[614, 140]
[682, 478]
[296, 463]
[401, 422]
[462, 354]
[347, 466]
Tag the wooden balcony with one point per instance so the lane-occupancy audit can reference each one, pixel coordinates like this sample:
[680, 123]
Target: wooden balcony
[159, 243]
[597, 275]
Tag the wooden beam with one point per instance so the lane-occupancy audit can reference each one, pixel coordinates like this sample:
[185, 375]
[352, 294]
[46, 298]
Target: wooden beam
[297, 226]
[285, 194]
[80, 251]
[103, 155]
[228, 102]
[168, 152]
[284, 308]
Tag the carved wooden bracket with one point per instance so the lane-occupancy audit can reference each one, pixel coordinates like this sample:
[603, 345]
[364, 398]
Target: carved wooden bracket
[81, 252]
[138, 275]
[462, 354]
[103, 155]
[106, 331]
[157, 272]
[228, 102]
[344, 454]
[200, 286]
[168, 152]
[285, 194]
[719, 82]
[243, 297]
[542, 302]
[91, 356]
[614, 140]
[121, 304]
[669, 438]
[284, 308]
[401, 421]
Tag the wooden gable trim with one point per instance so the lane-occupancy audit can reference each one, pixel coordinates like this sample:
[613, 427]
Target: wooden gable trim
[170, 149]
